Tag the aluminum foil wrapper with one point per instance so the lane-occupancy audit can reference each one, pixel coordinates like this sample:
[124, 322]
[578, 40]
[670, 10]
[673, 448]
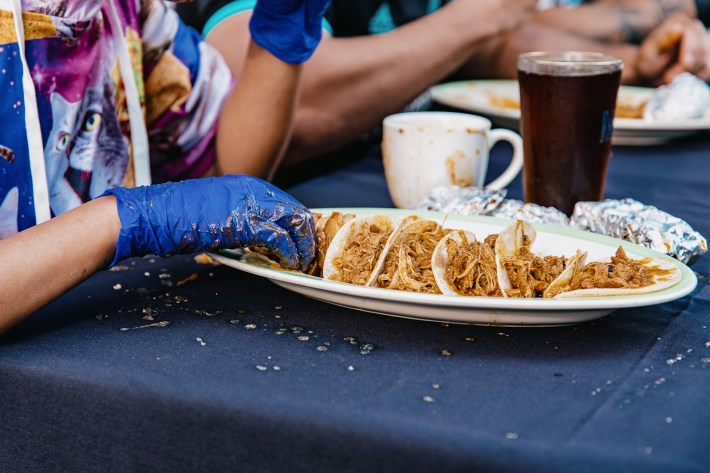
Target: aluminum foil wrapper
[518, 210]
[642, 224]
[462, 200]
[477, 201]
[686, 97]
[626, 219]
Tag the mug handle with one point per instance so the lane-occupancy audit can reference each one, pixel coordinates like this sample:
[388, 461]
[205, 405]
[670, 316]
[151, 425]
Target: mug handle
[516, 164]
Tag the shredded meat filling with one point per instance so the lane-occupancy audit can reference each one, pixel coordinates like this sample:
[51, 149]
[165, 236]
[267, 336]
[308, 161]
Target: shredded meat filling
[529, 274]
[361, 252]
[264, 251]
[325, 232]
[408, 263]
[622, 272]
[471, 270]
[490, 240]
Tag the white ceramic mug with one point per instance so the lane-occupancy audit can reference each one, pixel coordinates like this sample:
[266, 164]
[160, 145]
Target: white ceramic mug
[423, 150]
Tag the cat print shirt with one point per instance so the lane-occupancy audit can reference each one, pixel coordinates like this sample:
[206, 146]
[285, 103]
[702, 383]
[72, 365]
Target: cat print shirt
[117, 92]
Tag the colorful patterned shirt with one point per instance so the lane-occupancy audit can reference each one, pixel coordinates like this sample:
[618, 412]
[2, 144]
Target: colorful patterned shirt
[121, 92]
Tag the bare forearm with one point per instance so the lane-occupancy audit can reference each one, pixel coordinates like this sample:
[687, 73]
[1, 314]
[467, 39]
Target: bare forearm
[499, 58]
[64, 251]
[351, 84]
[256, 119]
[617, 21]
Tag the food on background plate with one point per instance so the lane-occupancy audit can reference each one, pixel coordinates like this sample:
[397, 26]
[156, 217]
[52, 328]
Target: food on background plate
[630, 107]
[626, 106]
[502, 101]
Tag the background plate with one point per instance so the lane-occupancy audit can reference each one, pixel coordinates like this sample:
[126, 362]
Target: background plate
[474, 310]
[499, 100]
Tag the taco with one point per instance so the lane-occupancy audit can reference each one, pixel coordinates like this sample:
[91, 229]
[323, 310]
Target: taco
[618, 276]
[327, 226]
[563, 282]
[521, 273]
[355, 250]
[407, 261]
[464, 266]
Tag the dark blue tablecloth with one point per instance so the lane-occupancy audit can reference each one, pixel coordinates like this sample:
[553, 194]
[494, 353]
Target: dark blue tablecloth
[241, 375]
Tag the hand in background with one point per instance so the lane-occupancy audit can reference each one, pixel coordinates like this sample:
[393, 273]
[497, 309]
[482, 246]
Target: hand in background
[213, 213]
[288, 29]
[678, 45]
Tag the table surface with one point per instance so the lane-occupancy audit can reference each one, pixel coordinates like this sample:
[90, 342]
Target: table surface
[134, 371]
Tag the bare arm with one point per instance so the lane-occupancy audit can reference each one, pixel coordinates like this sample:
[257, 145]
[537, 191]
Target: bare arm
[498, 59]
[617, 21]
[256, 118]
[350, 84]
[65, 251]
[678, 45]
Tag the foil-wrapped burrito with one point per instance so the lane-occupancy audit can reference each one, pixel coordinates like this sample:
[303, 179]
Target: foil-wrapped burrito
[685, 98]
[627, 219]
[642, 224]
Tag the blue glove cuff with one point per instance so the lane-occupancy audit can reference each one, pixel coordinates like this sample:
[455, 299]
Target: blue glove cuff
[288, 29]
[294, 51]
[137, 236]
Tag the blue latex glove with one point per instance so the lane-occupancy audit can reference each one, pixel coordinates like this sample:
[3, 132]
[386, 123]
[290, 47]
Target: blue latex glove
[288, 29]
[213, 213]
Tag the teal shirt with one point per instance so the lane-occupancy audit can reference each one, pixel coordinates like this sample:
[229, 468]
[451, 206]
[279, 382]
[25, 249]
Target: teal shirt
[238, 6]
[382, 21]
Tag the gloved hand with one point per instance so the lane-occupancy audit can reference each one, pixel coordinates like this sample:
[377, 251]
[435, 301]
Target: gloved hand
[288, 29]
[213, 213]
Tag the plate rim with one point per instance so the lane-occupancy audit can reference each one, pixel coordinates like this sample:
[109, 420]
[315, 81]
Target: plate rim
[682, 288]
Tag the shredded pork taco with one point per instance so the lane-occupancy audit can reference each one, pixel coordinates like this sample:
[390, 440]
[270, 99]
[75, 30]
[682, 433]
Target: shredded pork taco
[465, 266]
[407, 264]
[327, 226]
[562, 282]
[620, 275]
[521, 273]
[354, 252]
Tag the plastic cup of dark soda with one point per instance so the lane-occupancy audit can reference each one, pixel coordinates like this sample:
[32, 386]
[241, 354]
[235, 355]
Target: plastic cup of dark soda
[567, 102]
